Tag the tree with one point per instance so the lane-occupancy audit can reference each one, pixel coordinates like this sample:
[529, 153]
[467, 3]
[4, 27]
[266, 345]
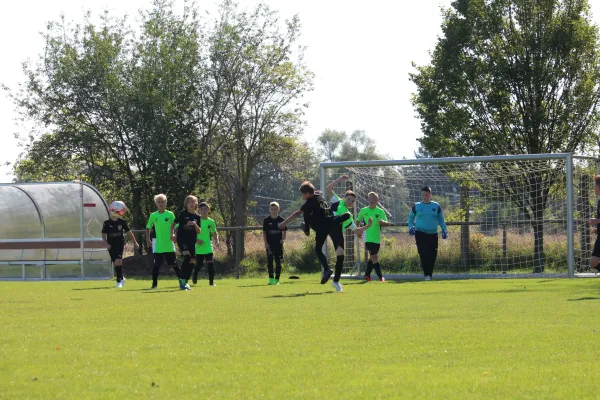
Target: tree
[138, 112]
[265, 78]
[512, 77]
[339, 146]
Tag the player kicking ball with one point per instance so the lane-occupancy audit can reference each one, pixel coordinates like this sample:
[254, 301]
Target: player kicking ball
[319, 216]
[595, 222]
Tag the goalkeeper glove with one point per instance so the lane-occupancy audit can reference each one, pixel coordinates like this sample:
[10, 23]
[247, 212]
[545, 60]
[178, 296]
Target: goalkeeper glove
[412, 231]
[444, 234]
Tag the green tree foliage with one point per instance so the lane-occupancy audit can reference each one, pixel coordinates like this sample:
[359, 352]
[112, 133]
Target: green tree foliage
[512, 77]
[339, 146]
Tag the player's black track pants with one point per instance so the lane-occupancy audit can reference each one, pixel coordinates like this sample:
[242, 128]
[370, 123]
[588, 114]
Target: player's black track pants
[427, 245]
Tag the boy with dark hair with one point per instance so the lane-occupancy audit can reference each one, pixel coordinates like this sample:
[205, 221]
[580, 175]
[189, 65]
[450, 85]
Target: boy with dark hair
[163, 248]
[373, 236]
[274, 238]
[595, 222]
[113, 231]
[423, 221]
[204, 246]
[187, 227]
[339, 205]
[319, 216]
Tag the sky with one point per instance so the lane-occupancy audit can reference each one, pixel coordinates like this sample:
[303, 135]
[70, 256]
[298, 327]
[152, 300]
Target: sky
[360, 52]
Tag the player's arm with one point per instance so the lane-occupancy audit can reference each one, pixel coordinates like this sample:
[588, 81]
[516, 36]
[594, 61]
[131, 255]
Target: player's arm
[411, 219]
[292, 217]
[330, 187]
[384, 221]
[215, 234]
[359, 231]
[104, 239]
[442, 222]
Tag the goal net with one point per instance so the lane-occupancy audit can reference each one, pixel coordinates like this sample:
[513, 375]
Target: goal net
[507, 216]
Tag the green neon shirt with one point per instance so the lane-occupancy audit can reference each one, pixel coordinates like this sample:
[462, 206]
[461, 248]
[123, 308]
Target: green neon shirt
[207, 227]
[374, 232]
[162, 225]
[341, 209]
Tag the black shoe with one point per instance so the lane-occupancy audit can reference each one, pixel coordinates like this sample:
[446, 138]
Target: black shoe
[305, 229]
[153, 287]
[326, 275]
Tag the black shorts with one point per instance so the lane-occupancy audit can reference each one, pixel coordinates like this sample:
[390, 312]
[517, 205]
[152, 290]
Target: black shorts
[189, 247]
[160, 258]
[116, 251]
[373, 248]
[201, 257]
[596, 251]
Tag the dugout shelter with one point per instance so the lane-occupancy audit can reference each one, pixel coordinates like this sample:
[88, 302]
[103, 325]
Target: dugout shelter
[52, 231]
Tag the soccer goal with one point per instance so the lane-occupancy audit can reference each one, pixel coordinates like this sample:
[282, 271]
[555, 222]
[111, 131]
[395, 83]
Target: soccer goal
[507, 216]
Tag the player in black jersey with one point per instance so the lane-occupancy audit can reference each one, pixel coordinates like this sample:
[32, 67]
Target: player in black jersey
[595, 222]
[274, 238]
[113, 231]
[187, 228]
[319, 216]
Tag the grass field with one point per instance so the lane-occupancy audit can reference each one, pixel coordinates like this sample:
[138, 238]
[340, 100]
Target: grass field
[443, 339]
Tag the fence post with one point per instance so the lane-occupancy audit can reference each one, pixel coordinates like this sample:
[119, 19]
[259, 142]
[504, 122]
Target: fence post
[238, 252]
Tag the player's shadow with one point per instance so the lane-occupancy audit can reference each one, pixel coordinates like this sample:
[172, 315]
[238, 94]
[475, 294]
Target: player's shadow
[153, 291]
[294, 295]
[585, 299]
[95, 288]
[263, 285]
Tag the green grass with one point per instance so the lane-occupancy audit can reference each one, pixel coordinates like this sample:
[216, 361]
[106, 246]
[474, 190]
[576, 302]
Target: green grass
[242, 339]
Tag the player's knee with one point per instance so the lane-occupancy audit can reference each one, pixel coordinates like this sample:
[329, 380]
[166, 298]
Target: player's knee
[339, 251]
[375, 258]
[118, 262]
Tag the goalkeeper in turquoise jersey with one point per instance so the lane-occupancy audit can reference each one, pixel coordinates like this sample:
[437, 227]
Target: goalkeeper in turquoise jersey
[423, 221]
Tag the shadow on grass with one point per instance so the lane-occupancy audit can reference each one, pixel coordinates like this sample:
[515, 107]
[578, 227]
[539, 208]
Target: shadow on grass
[95, 288]
[585, 298]
[291, 296]
[263, 285]
[152, 291]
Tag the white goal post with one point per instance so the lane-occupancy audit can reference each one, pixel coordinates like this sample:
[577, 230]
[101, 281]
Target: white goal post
[507, 216]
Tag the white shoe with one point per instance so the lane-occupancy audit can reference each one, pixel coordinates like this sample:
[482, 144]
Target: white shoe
[119, 284]
[123, 282]
[337, 286]
[427, 278]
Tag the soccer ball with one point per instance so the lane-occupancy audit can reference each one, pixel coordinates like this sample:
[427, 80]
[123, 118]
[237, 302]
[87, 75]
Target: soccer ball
[117, 209]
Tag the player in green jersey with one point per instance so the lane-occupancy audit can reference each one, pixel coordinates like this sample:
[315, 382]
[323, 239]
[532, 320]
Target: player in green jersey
[341, 206]
[373, 235]
[204, 245]
[163, 246]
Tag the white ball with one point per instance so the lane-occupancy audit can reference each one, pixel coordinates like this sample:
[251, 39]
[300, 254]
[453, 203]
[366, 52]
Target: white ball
[117, 209]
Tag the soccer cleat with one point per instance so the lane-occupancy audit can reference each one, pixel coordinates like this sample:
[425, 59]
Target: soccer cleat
[382, 279]
[325, 276]
[119, 285]
[367, 278]
[123, 282]
[187, 287]
[212, 284]
[275, 282]
[195, 278]
[271, 281]
[427, 278]
[153, 287]
[337, 286]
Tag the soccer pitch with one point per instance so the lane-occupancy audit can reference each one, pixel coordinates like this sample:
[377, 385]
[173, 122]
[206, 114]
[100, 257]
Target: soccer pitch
[242, 339]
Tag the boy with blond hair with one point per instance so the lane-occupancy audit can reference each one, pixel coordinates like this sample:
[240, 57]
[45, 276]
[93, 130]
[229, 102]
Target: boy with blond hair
[163, 248]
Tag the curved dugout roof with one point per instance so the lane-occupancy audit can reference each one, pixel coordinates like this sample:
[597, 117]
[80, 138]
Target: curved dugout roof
[43, 212]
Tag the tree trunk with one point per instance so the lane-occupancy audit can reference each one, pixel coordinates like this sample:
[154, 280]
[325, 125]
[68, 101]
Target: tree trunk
[138, 215]
[465, 228]
[241, 203]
